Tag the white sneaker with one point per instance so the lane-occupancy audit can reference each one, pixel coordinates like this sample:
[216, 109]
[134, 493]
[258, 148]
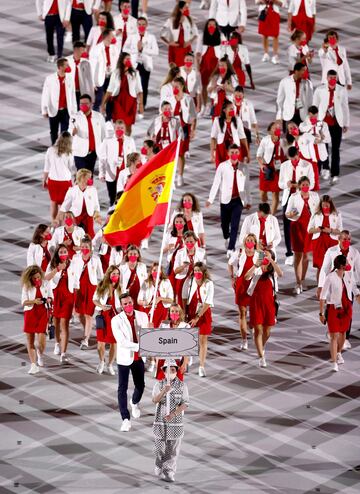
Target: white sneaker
[229, 253]
[125, 426]
[40, 359]
[140, 116]
[57, 349]
[335, 367]
[275, 60]
[289, 261]
[339, 359]
[68, 37]
[244, 345]
[84, 344]
[135, 410]
[325, 174]
[101, 367]
[64, 359]
[265, 58]
[347, 345]
[202, 372]
[190, 361]
[34, 369]
[179, 181]
[157, 471]
[226, 243]
[297, 289]
[204, 4]
[51, 59]
[262, 362]
[334, 180]
[111, 370]
[187, 154]
[151, 367]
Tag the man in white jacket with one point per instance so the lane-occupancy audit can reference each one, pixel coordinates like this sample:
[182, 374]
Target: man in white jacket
[229, 14]
[264, 226]
[81, 71]
[56, 17]
[58, 100]
[125, 327]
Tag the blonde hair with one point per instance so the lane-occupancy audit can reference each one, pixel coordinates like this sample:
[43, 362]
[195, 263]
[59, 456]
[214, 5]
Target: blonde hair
[131, 158]
[82, 173]
[104, 284]
[63, 144]
[29, 273]
[181, 312]
[251, 236]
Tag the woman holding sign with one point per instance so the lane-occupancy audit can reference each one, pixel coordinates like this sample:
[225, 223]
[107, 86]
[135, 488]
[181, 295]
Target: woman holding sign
[198, 298]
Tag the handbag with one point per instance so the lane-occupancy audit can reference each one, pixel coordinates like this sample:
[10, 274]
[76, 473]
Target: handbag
[51, 330]
[269, 173]
[263, 14]
[99, 321]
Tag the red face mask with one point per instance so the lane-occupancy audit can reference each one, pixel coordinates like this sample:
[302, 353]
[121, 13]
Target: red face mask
[188, 64]
[346, 244]
[233, 42]
[332, 81]
[133, 258]
[167, 113]
[313, 120]
[125, 12]
[187, 204]
[84, 107]
[176, 91]
[305, 188]
[250, 244]
[348, 267]
[211, 29]
[113, 41]
[179, 226]
[47, 236]
[63, 257]
[294, 131]
[68, 221]
[295, 161]
[85, 251]
[303, 42]
[114, 278]
[141, 29]
[128, 63]
[129, 308]
[68, 70]
[265, 261]
[238, 99]
[90, 182]
[326, 211]
[222, 70]
[143, 150]
[174, 316]
[332, 41]
[231, 113]
[154, 275]
[186, 12]
[119, 133]
[277, 132]
[84, 55]
[37, 283]
[234, 156]
[189, 245]
[102, 23]
[198, 275]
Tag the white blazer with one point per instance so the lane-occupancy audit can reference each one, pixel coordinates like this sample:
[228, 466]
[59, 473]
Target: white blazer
[341, 104]
[295, 53]
[242, 51]
[89, 5]
[98, 63]
[251, 224]
[237, 260]
[59, 236]
[224, 178]
[92, 39]
[303, 169]
[156, 124]
[166, 94]
[64, 6]
[50, 95]
[74, 199]
[109, 156]
[286, 98]
[81, 139]
[116, 257]
[335, 221]
[85, 75]
[310, 7]
[318, 131]
[214, 94]
[122, 332]
[328, 62]
[353, 258]
[147, 290]
[172, 34]
[30, 294]
[333, 288]
[58, 167]
[103, 300]
[247, 113]
[233, 13]
[237, 133]
[188, 110]
[275, 7]
[94, 268]
[193, 81]
[131, 27]
[266, 149]
[125, 273]
[134, 83]
[297, 202]
[197, 221]
[182, 256]
[122, 179]
[206, 291]
[34, 254]
[150, 49]
[71, 281]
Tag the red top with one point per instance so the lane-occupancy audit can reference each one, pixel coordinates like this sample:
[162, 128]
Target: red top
[329, 118]
[124, 34]
[297, 83]
[54, 9]
[78, 5]
[163, 134]
[91, 134]
[228, 138]
[235, 190]
[100, 38]
[131, 320]
[262, 234]
[62, 93]
[293, 179]
[107, 53]
[45, 259]
[77, 80]
[181, 38]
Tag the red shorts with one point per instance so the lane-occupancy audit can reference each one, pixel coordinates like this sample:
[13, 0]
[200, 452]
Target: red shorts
[57, 189]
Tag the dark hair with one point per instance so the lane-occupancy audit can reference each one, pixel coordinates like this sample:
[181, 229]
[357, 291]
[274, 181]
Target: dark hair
[332, 32]
[55, 260]
[222, 116]
[233, 146]
[239, 89]
[296, 34]
[331, 72]
[106, 32]
[60, 62]
[142, 18]
[326, 198]
[79, 44]
[339, 261]
[270, 267]
[176, 14]
[264, 207]
[86, 96]
[195, 205]
[270, 126]
[298, 66]
[120, 64]
[230, 71]
[181, 81]
[190, 233]
[165, 103]
[303, 179]
[124, 1]
[39, 230]
[204, 269]
[174, 232]
[162, 276]
[125, 295]
[150, 143]
[292, 152]
[313, 109]
[211, 39]
[236, 35]
[109, 20]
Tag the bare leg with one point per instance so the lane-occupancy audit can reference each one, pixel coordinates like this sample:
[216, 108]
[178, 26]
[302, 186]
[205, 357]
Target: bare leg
[203, 349]
[181, 165]
[298, 266]
[243, 322]
[265, 42]
[88, 326]
[276, 46]
[258, 339]
[112, 353]
[263, 196]
[274, 202]
[341, 341]
[41, 342]
[101, 351]
[57, 329]
[82, 320]
[204, 96]
[30, 344]
[53, 210]
[128, 130]
[64, 325]
[304, 266]
[266, 335]
[333, 346]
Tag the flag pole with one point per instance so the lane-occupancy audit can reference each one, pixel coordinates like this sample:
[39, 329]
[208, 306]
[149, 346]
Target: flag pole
[167, 217]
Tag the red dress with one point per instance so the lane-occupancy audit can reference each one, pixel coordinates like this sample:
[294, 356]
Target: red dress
[302, 22]
[70, 248]
[237, 65]
[86, 221]
[321, 244]
[106, 335]
[185, 143]
[271, 25]
[242, 299]
[171, 275]
[205, 321]
[125, 105]
[63, 298]
[339, 320]
[262, 303]
[221, 96]
[133, 287]
[45, 259]
[273, 184]
[300, 238]
[84, 304]
[57, 189]
[207, 65]
[221, 153]
[180, 281]
[36, 319]
[176, 54]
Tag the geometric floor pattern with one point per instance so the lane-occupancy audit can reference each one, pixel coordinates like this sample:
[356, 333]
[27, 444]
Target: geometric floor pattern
[291, 428]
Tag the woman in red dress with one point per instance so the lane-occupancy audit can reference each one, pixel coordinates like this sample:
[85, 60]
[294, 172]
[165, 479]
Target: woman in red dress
[337, 294]
[62, 283]
[240, 59]
[107, 303]
[269, 26]
[38, 251]
[198, 299]
[208, 53]
[324, 226]
[35, 297]
[262, 300]
[298, 18]
[222, 85]
[174, 242]
[301, 206]
[190, 208]
[238, 265]
[133, 273]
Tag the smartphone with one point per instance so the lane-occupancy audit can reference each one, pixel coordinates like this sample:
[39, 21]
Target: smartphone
[261, 255]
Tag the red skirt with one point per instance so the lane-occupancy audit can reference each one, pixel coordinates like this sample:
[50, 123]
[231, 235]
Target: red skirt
[125, 107]
[319, 247]
[176, 55]
[36, 319]
[207, 65]
[87, 223]
[339, 320]
[262, 304]
[205, 322]
[242, 299]
[303, 23]
[63, 300]
[160, 374]
[57, 189]
[316, 176]
[106, 335]
[271, 25]
[269, 185]
[300, 238]
[221, 95]
[84, 304]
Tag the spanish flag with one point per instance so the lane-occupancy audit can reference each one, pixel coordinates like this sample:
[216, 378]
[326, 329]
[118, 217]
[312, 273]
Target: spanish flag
[145, 200]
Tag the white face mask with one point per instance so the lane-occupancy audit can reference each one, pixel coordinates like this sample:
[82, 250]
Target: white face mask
[172, 375]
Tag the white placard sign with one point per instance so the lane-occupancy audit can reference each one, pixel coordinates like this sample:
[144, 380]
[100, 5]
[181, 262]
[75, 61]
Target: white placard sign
[169, 343]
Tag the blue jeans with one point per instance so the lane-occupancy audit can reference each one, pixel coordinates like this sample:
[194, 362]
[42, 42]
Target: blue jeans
[230, 220]
[137, 369]
[52, 24]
